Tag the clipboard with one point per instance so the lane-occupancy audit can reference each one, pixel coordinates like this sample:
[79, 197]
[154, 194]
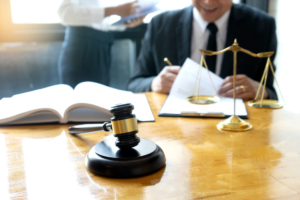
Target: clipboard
[143, 11]
[202, 111]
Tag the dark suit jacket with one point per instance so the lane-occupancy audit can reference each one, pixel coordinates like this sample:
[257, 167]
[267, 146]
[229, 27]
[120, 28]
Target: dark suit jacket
[169, 35]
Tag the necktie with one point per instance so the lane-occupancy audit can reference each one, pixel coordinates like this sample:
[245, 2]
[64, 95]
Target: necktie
[212, 46]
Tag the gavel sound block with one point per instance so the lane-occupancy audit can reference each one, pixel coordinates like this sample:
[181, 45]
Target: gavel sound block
[125, 155]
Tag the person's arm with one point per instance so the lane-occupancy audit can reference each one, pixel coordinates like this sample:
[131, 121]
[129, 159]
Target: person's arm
[145, 69]
[151, 72]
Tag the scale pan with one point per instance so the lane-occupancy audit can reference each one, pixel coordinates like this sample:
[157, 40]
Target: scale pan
[266, 103]
[203, 99]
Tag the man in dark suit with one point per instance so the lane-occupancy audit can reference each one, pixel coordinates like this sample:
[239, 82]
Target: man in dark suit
[172, 35]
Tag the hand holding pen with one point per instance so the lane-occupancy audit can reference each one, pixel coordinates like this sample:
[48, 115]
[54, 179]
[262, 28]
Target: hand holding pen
[164, 80]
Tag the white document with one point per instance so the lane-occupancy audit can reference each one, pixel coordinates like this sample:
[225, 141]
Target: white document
[185, 81]
[183, 86]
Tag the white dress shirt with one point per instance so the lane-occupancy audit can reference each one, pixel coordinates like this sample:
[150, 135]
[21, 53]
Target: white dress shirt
[88, 13]
[200, 37]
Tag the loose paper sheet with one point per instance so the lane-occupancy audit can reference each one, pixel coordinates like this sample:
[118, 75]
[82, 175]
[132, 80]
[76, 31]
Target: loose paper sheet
[183, 88]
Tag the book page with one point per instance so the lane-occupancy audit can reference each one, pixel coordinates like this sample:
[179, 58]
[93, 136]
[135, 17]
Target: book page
[95, 96]
[51, 99]
[183, 88]
[88, 113]
[100, 95]
[37, 118]
[89, 102]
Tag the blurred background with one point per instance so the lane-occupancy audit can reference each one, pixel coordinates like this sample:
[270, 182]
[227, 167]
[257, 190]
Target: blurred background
[31, 37]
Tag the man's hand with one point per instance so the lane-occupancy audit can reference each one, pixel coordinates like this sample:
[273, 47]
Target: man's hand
[246, 88]
[164, 80]
[135, 22]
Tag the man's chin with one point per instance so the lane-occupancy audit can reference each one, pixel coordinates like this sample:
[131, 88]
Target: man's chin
[209, 16]
[209, 19]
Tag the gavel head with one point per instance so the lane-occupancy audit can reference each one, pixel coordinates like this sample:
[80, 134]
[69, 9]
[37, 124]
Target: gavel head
[124, 125]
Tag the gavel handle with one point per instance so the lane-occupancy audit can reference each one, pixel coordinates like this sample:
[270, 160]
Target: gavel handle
[88, 128]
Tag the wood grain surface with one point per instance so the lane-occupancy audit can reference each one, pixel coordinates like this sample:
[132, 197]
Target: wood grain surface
[46, 162]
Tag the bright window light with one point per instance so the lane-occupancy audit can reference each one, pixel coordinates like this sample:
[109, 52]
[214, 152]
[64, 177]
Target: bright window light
[34, 11]
[45, 12]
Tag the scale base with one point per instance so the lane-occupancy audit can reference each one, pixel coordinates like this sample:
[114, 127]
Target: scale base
[234, 123]
[105, 159]
[202, 100]
[266, 103]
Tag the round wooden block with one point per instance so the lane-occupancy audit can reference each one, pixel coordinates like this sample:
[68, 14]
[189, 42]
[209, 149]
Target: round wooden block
[106, 159]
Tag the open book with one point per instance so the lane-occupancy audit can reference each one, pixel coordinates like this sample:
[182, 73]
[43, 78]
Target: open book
[176, 104]
[87, 102]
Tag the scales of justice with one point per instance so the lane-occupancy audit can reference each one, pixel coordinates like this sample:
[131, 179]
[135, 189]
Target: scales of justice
[234, 123]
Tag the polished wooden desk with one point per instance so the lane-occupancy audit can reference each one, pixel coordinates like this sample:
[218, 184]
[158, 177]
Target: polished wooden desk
[46, 162]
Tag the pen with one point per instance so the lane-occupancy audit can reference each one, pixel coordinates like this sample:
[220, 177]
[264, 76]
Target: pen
[167, 61]
[197, 114]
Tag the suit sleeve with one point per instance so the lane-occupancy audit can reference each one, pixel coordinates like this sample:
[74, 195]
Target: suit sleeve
[272, 46]
[145, 69]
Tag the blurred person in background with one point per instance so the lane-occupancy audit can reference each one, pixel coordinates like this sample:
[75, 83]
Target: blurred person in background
[85, 54]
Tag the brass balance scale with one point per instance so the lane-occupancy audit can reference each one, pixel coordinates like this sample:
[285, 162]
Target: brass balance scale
[234, 123]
